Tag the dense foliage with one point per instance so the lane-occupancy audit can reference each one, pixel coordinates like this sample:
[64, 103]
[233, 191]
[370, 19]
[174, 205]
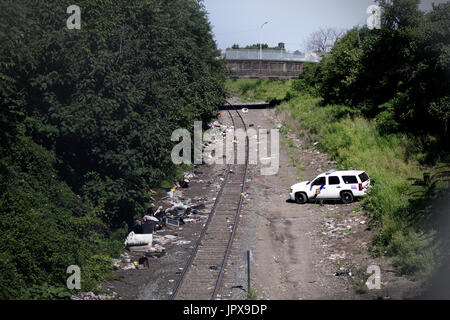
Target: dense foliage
[398, 74]
[86, 118]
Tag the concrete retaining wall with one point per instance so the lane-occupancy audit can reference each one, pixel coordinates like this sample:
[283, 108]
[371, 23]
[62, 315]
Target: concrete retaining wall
[264, 69]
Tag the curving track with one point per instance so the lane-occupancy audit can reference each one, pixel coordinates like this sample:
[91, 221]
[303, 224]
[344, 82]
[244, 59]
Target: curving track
[201, 277]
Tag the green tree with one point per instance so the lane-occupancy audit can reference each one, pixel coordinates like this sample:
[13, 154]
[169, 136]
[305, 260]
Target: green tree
[86, 118]
[399, 72]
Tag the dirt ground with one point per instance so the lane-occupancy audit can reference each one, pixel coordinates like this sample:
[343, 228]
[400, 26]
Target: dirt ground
[310, 251]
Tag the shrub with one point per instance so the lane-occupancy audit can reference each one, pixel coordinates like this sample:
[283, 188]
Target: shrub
[414, 252]
[45, 292]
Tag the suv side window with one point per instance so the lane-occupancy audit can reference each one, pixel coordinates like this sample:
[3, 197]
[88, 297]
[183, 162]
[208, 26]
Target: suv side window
[319, 181]
[350, 179]
[334, 180]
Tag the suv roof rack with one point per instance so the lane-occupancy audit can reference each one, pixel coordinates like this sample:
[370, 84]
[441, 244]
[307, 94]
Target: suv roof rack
[330, 171]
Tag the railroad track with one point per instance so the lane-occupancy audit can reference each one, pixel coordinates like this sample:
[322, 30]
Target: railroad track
[202, 274]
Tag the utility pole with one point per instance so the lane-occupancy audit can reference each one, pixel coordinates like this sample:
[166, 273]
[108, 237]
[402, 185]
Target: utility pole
[260, 40]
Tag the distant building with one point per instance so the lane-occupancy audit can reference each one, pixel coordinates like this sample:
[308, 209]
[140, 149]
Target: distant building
[281, 45]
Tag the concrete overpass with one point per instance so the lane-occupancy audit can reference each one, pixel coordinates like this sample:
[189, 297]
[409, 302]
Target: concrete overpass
[250, 63]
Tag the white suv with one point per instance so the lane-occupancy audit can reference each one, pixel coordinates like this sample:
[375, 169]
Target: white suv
[332, 185]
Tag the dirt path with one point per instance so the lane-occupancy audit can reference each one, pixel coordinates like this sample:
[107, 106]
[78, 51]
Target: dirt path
[297, 252]
[279, 232]
[285, 253]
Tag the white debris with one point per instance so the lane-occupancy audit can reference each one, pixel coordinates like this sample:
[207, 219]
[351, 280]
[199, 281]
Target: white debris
[182, 242]
[150, 218]
[129, 266]
[134, 239]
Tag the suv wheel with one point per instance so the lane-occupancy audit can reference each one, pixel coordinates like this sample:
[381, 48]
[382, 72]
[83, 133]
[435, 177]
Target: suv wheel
[347, 197]
[301, 198]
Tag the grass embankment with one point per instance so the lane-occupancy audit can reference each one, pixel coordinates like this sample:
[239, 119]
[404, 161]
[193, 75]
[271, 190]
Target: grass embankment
[393, 163]
[258, 89]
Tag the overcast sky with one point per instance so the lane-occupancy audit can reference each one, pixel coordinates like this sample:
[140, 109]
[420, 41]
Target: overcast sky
[290, 21]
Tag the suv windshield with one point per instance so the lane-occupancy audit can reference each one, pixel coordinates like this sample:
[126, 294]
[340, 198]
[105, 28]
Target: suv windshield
[364, 177]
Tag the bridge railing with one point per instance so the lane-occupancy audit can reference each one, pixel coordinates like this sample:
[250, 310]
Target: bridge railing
[268, 54]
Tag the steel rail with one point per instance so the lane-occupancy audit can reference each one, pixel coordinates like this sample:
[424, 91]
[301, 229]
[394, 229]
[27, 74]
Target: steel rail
[192, 256]
[238, 212]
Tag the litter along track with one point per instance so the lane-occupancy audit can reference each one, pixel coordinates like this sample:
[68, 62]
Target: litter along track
[202, 274]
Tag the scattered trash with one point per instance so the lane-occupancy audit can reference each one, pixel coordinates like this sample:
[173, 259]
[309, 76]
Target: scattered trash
[143, 261]
[173, 212]
[199, 207]
[172, 222]
[129, 266]
[149, 226]
[238, 287]
[92, 296]
[343, 272]
[182, 242]
[336, 256]
[155, 254]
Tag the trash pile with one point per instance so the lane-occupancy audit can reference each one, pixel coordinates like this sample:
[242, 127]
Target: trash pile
[172, 213]
[215, 137]
[177, 213]
[222, 128]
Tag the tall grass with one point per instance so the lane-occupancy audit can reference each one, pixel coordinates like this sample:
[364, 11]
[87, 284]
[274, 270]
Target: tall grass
[355, 143]
[258, 89]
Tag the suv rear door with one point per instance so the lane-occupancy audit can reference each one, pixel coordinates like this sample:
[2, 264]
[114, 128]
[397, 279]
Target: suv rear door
[351, 183]
[333, 187]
